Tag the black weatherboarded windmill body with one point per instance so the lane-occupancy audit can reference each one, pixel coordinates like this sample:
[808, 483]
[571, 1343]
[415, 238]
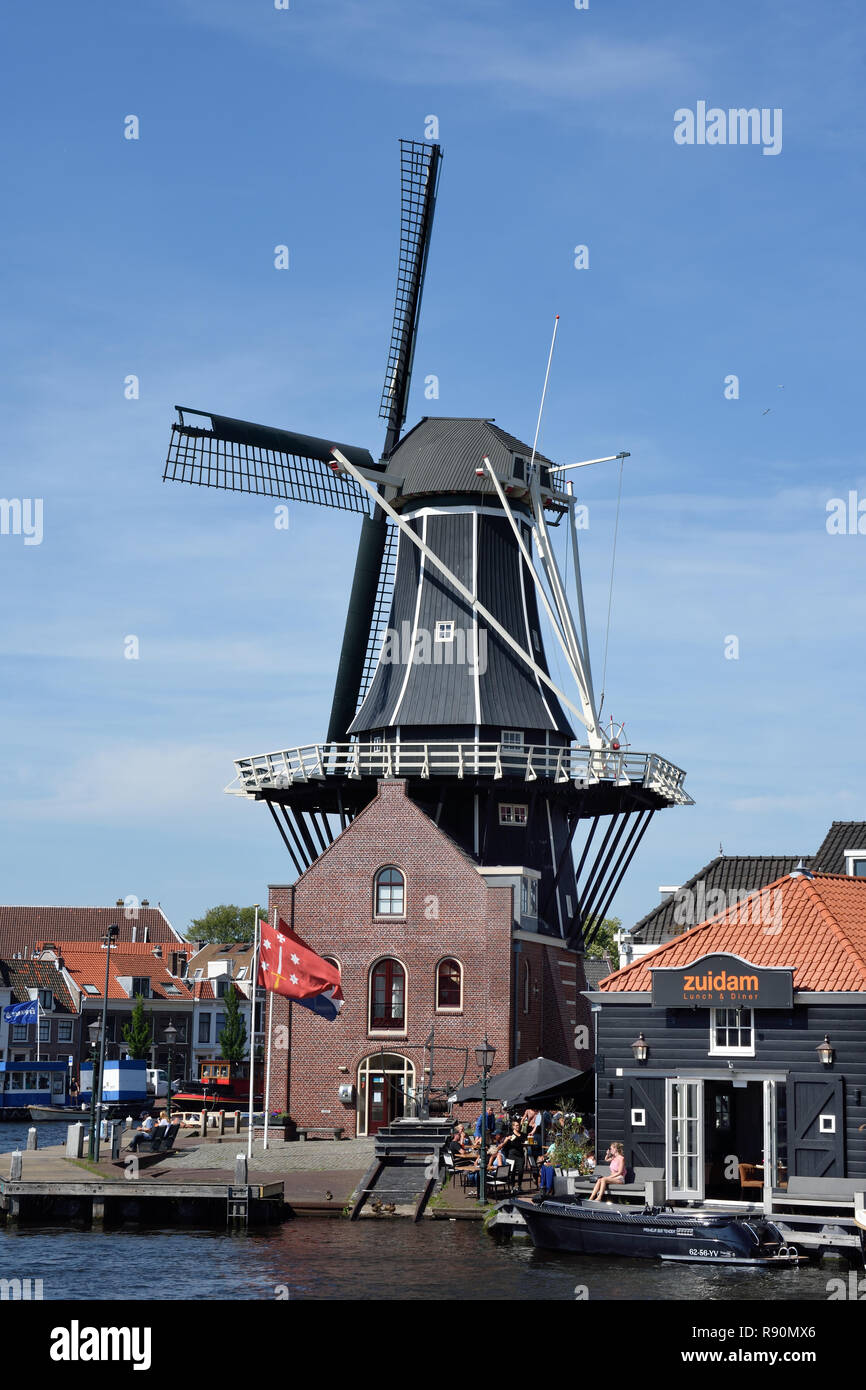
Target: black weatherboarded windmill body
[443, 678]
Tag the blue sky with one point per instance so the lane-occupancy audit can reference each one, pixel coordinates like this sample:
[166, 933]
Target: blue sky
[155, 258]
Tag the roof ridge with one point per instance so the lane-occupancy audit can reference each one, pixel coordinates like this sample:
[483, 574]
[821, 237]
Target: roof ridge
[831, 920]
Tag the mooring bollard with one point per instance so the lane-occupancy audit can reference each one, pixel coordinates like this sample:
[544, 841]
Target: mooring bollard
[221, 1127]
[237, 1121]
[240, 1170]
[202, 1124]
[17, 1161]
[75, 1141]
[32, 1138]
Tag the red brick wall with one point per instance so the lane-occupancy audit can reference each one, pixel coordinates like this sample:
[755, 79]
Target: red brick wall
[450, 911]
[558, 1010]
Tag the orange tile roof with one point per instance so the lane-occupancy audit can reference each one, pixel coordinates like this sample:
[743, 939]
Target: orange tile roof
[22, 927]
[86, 966]
[816, 925]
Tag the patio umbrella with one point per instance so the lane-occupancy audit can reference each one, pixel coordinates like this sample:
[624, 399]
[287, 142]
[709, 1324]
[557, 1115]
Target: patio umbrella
[524, 1082]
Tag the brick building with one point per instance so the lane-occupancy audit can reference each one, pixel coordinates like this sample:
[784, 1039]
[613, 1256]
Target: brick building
[428, 942]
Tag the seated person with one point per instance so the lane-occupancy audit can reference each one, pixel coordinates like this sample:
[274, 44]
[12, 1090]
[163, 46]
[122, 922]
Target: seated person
[616, 1157]
[512, 1147]
[144, 1131]
[546, 1172]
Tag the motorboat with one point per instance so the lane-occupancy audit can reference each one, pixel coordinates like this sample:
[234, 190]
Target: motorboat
[701, 1237]
[57, 1113]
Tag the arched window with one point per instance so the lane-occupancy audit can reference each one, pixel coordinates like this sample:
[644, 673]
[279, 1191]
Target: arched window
[449, 985]
[526, 986]
[390, 893]
[388, 995]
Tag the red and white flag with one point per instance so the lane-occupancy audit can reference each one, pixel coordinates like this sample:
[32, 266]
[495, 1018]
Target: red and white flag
[288, 966]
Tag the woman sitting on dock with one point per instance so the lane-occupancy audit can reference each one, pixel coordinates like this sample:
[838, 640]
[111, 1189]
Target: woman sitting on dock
[616, 1157]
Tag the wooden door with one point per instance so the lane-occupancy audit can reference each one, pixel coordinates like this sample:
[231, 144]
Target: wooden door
[378, 1105]
[816, 1126]
[645, 1122]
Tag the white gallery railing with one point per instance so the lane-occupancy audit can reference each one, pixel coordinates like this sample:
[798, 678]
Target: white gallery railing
[449, 758]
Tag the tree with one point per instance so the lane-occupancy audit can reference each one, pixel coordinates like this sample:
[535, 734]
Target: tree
[137, 1033]
[224, 923]
[603, 943]
[233, 1043]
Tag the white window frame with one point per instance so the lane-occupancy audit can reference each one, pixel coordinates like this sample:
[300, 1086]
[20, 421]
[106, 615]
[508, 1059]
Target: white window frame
[387, 1032]
[638, 1119]
[512, 738]
[443, 630]
[826, 1124]
[447, 1008]
[850, 856]
[728, 1049]
[512, 807]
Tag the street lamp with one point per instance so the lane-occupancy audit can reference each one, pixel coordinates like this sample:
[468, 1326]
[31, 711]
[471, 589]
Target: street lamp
[484, 1060]
[169, 1036]
[93, 1029]
[109, 940]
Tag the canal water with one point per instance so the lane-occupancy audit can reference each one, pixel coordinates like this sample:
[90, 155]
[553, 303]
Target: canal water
[332, 1259]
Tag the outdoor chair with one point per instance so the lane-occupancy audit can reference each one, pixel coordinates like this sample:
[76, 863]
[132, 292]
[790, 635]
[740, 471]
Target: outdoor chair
[457, 1174]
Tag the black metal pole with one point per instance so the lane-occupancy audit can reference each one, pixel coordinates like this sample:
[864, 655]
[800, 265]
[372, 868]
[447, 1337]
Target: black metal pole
[91, 1142]
[168, 1091]
[482, 1159]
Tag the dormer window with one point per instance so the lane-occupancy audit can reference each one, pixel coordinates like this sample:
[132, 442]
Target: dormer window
[855, 863]
[444, 631]
[140, 985]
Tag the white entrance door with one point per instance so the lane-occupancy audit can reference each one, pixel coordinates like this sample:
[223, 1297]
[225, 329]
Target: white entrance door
[685, 1139]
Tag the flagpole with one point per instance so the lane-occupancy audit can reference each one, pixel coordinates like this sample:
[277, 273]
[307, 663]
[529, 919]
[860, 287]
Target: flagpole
[256, 937]
[268, 1061]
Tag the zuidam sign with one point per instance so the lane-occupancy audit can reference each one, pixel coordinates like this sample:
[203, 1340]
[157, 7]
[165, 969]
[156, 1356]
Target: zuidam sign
[721, 981]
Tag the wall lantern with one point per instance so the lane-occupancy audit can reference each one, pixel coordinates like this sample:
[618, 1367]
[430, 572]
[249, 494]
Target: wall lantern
[640, 1048]
[825, 1051]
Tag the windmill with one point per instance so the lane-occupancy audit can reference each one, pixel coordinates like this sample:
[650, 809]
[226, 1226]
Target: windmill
[443, 678]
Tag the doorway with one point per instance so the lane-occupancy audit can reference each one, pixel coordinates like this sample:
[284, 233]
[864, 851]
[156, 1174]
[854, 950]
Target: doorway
[386, 1083]
[734, 1139]
[723, 1135]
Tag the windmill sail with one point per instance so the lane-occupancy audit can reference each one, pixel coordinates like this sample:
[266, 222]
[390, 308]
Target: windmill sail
[419, 171]
[218, 451]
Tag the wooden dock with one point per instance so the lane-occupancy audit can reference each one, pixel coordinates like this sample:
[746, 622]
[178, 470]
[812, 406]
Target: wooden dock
[51, 1184]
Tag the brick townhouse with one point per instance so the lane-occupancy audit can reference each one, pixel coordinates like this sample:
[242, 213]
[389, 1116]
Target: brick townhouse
[435, 952]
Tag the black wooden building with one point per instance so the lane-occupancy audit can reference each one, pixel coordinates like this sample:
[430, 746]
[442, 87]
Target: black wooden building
[733, 1058]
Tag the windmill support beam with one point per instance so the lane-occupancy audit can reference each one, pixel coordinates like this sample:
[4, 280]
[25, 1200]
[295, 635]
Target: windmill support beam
[551, 569]
[578, 584]
[563, 860]
[284, 837]
[462, 590]
[301, 847]
[591, 893]
[577, 662]
[629, 852]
